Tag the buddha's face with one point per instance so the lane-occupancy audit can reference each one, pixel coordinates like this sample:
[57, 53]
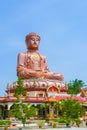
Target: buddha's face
[33, 43]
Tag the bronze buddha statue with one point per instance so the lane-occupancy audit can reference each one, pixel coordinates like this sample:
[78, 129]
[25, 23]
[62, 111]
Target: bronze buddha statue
[32, 64]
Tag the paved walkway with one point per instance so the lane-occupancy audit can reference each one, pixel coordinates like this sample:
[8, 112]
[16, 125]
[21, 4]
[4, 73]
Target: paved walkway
[72, 128]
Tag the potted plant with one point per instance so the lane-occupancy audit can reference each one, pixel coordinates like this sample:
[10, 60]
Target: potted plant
[40, 123]
[78, 121]
[54, 125]
[61, 122]
[5, 124]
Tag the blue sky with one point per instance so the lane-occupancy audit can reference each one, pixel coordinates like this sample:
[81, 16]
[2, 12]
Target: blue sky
[62, 25]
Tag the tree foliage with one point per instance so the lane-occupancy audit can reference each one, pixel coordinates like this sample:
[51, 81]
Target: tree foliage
[71, 109]
[19, 90]
[20, 109]
[23, 111]
[75, 86]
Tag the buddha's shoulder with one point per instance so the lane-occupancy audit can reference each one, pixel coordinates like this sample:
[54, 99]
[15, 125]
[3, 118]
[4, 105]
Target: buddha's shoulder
[22, 53]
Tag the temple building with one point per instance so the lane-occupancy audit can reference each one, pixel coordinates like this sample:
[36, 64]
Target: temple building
[42, 86]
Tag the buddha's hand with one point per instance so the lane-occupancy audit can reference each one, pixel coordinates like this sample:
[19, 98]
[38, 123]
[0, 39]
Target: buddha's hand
[48, 75]
[42, 70]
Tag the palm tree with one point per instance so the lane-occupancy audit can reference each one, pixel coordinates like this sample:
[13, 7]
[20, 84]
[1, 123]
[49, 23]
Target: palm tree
[75, 86]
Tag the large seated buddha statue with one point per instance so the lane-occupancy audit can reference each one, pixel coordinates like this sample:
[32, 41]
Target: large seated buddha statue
[32, 64]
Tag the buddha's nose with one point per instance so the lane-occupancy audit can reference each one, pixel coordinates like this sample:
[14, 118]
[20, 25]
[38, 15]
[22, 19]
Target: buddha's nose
[35, 42]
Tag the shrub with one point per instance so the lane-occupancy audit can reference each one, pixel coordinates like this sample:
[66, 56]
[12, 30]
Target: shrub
[5, 122]
[61, 120]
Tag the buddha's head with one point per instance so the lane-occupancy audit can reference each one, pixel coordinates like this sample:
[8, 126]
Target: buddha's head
[32, 41]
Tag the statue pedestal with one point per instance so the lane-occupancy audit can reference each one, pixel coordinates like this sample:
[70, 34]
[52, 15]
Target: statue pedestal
[39, 83]
[38, 89]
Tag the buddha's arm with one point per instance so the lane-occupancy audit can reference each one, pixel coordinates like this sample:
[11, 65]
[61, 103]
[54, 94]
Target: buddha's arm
[45, 68]
[51, 75]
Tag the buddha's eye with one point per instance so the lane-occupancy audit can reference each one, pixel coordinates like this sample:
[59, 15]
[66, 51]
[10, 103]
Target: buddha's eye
[32, 39]
[37, 39]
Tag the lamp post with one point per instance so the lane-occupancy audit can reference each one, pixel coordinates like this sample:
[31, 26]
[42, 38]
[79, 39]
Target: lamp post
[51, 100]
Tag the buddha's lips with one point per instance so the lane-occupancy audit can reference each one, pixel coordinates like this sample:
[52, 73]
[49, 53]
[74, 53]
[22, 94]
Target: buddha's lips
[35, 45]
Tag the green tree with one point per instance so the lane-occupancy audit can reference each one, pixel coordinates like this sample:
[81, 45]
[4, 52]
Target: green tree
[75, 86]
[20, 109]
[71, 109]
[23, 111]
[19, 90]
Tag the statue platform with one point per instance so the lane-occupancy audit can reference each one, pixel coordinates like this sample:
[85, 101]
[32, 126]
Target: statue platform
[39, 83]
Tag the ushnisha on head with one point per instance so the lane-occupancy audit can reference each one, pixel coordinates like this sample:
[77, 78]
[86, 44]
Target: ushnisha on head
[32, 41]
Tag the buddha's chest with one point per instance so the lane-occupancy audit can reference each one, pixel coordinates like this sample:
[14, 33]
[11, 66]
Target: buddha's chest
[34, 61]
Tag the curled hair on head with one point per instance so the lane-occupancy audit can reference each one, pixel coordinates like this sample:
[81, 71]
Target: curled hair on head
[30, 35]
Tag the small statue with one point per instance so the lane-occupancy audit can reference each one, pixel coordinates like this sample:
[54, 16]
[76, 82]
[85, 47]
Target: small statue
[32, 64]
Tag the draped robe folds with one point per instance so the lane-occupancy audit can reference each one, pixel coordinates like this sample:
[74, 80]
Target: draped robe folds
[31, 63]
